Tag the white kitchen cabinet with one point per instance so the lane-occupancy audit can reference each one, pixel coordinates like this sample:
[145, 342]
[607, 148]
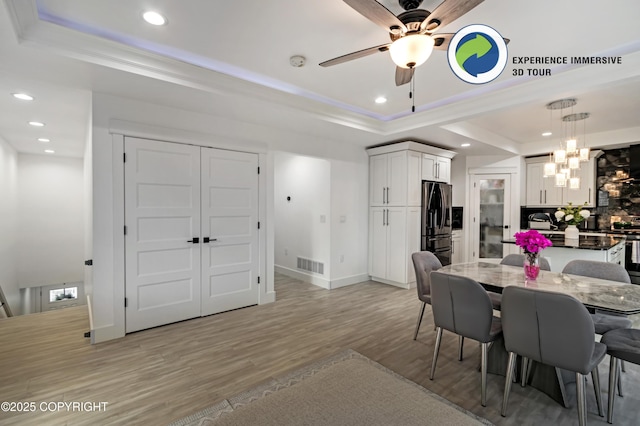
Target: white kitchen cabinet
[586, 192]
[436, 168]
[395, 198]
[388, 179]
[541, 191]
[388, 235]
[457, 250]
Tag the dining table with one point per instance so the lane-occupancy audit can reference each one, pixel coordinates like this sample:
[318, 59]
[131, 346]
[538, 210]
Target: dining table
[596, 294]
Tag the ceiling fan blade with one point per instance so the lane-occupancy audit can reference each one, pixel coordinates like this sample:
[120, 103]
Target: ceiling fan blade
[446, 12]
[378, 14]
[355, 55]
[403, 75]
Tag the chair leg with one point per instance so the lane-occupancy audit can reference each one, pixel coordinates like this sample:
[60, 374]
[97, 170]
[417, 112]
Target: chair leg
[507, 382]
[563, 389]
[613, 378]
[624, 370]
[582, 401]
[523, 379]
[424, 305]
[460, 345]
[619, 381]
[483, 374]
[595, 376]
[436, 350]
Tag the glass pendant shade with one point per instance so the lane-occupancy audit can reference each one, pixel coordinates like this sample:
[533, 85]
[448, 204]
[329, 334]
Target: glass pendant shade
[571, 146]
[584, 154]
[559, 156]
[549, 169]
[412, 50]
[574, 183]
[574, 163]
[561, 179]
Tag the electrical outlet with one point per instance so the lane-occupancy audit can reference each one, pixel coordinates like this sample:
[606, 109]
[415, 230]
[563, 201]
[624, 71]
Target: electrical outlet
[342, 258]
[323, 218]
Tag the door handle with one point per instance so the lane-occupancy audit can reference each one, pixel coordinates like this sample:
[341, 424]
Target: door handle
[195, 240]
[207, 240]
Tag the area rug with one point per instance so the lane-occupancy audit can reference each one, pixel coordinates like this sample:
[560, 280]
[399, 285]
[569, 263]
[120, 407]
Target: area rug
[345, 389]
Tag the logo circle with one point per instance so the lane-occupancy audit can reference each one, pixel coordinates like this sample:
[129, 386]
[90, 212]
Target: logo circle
[477, 54]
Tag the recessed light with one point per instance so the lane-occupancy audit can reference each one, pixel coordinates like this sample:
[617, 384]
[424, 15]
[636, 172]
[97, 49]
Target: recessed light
[44, 140]
[36, 123]
[154, 18]
[547, 134]
[22, 96]
[49, 151]
[464, 145]
[381, 100]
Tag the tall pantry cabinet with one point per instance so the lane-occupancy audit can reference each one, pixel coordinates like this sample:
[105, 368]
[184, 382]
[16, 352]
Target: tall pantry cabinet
[396, 172]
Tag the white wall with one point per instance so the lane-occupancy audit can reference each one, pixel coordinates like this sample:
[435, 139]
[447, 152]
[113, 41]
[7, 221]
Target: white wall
[51, 220]
[110, 114]
[9, 227]
[349, 221]
[302, 224]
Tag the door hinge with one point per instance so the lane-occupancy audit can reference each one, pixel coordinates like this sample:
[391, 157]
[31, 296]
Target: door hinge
[258, 225]
[258, 280]
[258, 169]
[125, 230]
[126, 302]
[124, 157]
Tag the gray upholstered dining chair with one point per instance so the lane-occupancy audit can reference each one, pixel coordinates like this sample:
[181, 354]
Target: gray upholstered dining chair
[607, 271]
[423, 263]
[462, 306]
[514, 260]
[554, 329]
[623, 344]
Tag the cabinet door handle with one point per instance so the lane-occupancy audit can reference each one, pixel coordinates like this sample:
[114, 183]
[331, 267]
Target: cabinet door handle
[541, 196]
[387, 195]
[590, 196]
[384, 222]
[545, 196]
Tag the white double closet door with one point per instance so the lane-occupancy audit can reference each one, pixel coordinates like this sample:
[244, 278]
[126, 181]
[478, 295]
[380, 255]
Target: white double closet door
[191, 243]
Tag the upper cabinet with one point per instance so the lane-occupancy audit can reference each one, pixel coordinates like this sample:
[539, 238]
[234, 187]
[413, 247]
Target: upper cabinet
[542, 192]
[396, 172]
[436, 168]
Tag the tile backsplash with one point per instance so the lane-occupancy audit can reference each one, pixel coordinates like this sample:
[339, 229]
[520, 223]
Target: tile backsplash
[617, 194]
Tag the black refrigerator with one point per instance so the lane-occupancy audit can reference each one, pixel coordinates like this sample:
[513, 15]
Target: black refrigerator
[436, 220]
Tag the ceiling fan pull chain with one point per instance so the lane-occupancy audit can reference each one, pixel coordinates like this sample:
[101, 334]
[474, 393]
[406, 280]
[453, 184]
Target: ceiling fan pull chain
[411, 92]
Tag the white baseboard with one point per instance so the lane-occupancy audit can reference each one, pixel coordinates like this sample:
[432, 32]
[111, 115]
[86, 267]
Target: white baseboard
[270, 297]
[103, 334]
[302, 276]
[406, 286]
[321, 282]
[354, 279]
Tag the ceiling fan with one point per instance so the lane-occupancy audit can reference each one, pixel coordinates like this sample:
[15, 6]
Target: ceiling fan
[411, 32]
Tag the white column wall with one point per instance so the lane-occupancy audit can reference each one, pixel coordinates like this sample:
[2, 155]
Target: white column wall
[9, 227]
[50, 223]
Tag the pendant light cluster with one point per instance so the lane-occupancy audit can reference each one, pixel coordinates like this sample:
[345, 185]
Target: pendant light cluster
[564, 163]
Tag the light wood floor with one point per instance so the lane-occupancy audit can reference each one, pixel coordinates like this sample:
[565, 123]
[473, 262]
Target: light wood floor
[159, 375]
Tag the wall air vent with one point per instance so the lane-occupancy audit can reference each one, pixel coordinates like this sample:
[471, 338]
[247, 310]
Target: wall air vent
[310, 265]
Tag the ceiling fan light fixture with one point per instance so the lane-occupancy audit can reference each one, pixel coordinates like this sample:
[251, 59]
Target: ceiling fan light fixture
[411, 50]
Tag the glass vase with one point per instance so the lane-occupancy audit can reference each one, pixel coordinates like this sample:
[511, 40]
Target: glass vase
[531, 266]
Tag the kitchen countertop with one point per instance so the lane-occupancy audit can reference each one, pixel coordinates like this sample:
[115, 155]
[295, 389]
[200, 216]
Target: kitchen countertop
[584, 242]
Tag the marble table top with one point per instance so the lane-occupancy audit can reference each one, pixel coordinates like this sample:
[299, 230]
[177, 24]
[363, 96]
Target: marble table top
[604, 295]
[584, 242]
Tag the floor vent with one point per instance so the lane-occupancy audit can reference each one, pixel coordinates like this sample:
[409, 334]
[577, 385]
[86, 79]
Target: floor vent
[310, 265]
